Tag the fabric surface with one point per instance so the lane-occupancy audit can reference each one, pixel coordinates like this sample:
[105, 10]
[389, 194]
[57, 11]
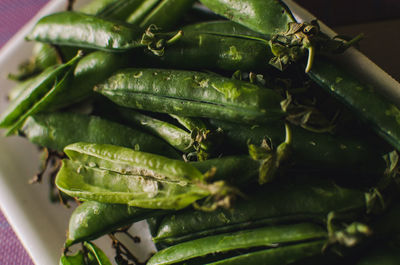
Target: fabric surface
[13, 15]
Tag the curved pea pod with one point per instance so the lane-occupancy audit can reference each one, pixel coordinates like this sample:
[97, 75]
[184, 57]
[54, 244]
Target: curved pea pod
[214, 45]
[96, 256]
[37, 98]
[139, 190]
[194, 94]
[172, 134]
[167, 14]
[90, 70]
[57, 130]
[86, 31]
[338, 155]
[237, 170]
[128, 161]
[38, 88]
[267, 17]
[112, 9]
[378, 112]
[45, 55]
[91, 220]
[291, 201]
[220, 246]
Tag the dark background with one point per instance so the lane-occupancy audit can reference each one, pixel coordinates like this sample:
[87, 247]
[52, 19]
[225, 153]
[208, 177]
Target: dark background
[379, 20]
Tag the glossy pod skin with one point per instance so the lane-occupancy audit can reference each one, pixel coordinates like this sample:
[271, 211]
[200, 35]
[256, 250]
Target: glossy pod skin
[35, 91]
[378, 112]
[100, 219]
[166, 14]
[313, 152]
[86, 31]
[172, 134]
[113, 174]
[93, 183]
[195, 94]
[39, 96]
[350, 91]
[265, 238]
[302, 201]
[267, 17]
[92, 69]
[214, 45]
[129, 161]
[57, 130]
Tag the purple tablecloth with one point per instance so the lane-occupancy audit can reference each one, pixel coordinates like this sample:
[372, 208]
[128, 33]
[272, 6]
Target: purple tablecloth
[13, 15]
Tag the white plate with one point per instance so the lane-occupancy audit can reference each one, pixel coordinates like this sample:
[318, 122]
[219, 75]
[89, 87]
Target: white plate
[40, 225]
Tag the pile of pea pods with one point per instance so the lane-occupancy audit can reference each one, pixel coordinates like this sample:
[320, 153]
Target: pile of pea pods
[226, 125]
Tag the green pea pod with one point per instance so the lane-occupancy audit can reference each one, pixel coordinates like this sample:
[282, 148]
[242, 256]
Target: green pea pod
[302, 201]
[142, 11]
[114, 9]
[86, 31]
[339, 155]
[175, 136]
[279, 256]
[96, 6]
[41, 87]
[167, 14]
[91, 220]
[96, 255]
[19, 88]
[92, 183]
[265, 238]
[128, 161]
[45, 55]
[199, 95]
[90, 70]
[216, 45]
[268, 17]
[382, 116]
[77, 259]
[237, 170]
[57, 130]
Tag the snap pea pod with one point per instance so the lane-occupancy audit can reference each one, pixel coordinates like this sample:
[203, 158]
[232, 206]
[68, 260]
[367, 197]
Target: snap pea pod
[142, 11]
[175, 136]
[195, 94]
[93, 183]
[377, 111]
[36, 90]
[90, 70]
[86, 31]
[338, 154]
[279, 256]
[167, 14]
[96, 255]
[57, 130]
[193, 139]
[128, 161]
[91, 220]
[203, 47]
[268, 17]
[45, 55]
[237, 170]
[116, 9]
[218, 245]
[290, 201]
